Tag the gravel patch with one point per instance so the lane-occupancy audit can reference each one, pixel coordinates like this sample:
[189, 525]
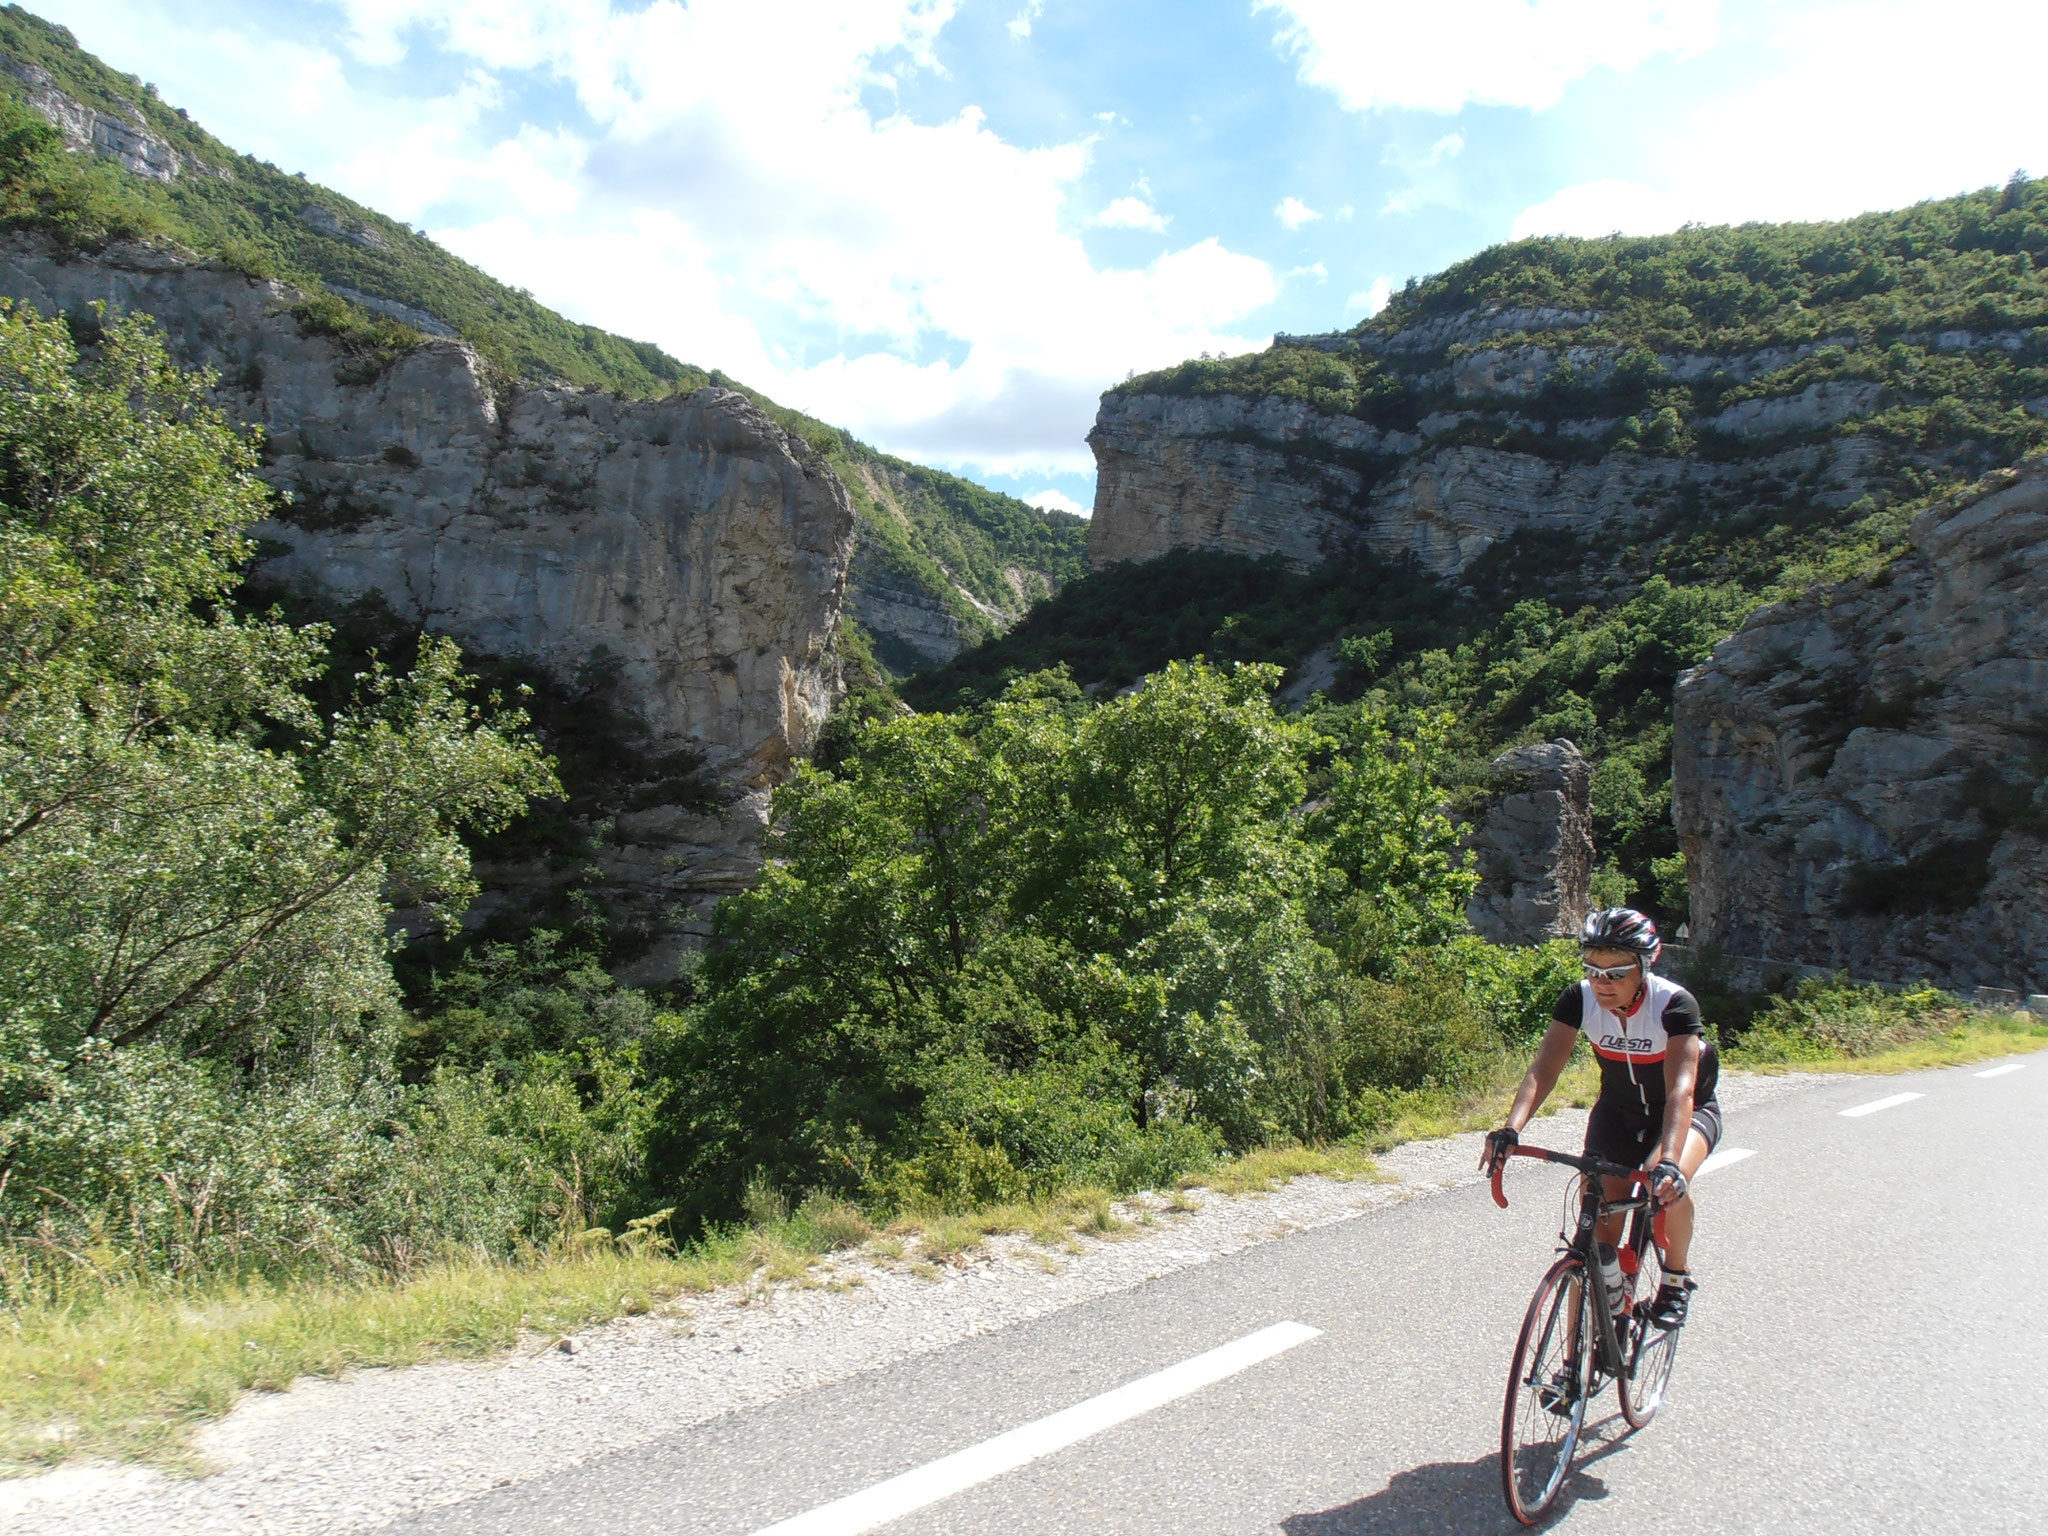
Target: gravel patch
[354, 1454]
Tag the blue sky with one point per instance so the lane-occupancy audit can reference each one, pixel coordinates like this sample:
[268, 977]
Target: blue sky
[948, 224]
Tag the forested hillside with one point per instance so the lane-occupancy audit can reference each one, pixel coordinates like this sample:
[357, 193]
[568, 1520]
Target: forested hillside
[951, 544]
[1733, 373]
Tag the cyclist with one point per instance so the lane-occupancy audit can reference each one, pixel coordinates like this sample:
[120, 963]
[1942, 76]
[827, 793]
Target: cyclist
[1656, 1109]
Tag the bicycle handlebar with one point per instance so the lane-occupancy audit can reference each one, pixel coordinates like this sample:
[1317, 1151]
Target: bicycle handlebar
[1587, 1165]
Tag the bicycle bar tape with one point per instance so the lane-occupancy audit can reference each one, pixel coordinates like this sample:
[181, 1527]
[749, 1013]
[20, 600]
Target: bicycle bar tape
[1500, 1195]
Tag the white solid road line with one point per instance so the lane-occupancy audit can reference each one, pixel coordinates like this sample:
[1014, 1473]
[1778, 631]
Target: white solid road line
[948, 1475]
[2010, 1066]
[1722, 1157]
[1876, 1104]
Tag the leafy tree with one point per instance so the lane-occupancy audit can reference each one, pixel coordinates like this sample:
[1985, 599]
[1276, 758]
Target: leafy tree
[1384, 831]
[196, 865]
[1048, 939]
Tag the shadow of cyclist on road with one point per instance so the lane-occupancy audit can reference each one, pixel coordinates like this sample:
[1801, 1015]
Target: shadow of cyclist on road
[1458, 1498]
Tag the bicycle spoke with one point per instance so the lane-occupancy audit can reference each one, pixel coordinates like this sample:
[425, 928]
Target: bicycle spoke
[1653, 1350]
[1546, 1403]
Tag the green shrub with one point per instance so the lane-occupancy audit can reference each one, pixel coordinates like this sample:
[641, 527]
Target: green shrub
[1515, 987]
[1835, 1018]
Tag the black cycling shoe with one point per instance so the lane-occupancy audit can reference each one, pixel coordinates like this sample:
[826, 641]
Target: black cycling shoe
[1561, 1396]
[1668, 1310]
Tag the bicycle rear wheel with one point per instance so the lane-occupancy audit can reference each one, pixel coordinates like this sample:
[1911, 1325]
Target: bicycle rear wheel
[1538, 1432]
[1652, 1351]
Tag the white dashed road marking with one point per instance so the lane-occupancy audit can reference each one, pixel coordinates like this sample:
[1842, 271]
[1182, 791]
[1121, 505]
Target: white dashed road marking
[1876, 1104]
[1722, 1157]
[2010, 1066]
[949, 1475]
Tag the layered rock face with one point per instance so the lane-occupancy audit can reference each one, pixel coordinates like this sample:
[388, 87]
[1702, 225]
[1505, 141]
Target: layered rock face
[687, 545]
[1534, 847]
[1858, 775]
[1271, 475]
[126, 140]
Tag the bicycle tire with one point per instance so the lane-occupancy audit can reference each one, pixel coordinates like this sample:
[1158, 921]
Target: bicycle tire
[1652, 1351]
[1537, 1444]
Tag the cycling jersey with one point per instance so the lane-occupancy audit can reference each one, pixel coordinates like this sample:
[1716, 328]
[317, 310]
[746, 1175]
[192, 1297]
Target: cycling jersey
[1631, 1046]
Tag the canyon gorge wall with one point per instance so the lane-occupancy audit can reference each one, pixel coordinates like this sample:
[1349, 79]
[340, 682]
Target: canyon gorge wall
[686, 545]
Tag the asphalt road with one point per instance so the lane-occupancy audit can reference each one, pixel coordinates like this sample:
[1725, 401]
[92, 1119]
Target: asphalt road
[1868, 1352]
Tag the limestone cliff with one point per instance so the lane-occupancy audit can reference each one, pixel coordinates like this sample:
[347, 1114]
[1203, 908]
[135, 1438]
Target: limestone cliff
[687, 543]
[1477, 451]
[1857, 775]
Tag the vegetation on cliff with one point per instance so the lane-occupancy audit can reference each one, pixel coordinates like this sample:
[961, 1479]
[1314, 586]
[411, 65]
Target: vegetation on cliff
[1941, 307]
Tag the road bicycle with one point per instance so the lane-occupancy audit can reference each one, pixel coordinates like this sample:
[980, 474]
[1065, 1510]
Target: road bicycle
[1576, 1338]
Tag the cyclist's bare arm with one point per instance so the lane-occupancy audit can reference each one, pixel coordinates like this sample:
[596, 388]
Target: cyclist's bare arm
[1544, 1071]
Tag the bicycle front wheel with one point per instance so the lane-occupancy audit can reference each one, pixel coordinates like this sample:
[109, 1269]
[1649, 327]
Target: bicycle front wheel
[1652, 1351]
[1546, 1403]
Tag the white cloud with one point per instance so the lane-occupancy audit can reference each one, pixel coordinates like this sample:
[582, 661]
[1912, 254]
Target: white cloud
[1373, 300]
[1775, 148]
[924, 283]
[1596, 208]
[1514, 53]
[1449, 147]
[1131, 213]
[1059, 501]
[1294, 213]
[1314, 269]
[1020, 24]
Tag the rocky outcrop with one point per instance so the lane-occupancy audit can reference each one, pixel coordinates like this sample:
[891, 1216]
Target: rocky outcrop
[1484, 454]
[1858, 775]
[686, 546]
[1533, 849]
[125, 139]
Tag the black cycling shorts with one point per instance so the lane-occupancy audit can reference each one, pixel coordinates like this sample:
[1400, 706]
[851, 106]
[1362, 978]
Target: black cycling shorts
[1627, 1136]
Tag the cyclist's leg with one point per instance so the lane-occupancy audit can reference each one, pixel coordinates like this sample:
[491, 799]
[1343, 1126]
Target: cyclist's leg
[1620, 1137]
[1699, 1142]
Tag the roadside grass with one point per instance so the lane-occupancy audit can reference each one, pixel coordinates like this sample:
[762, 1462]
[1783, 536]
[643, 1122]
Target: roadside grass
[1267, 1168]
[118, 1370]
[128, 1373]
[1981, 1038]
[125, 1371]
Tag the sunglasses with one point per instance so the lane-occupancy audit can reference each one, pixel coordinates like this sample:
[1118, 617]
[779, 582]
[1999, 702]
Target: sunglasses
[1608, 972]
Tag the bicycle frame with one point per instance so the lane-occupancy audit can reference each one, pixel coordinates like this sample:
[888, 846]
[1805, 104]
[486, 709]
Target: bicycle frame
[1594, 1207]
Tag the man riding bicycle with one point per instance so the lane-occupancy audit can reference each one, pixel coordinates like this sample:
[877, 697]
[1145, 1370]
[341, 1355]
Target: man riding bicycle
[1656, 1109]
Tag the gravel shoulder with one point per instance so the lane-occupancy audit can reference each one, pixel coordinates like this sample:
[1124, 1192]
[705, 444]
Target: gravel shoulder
[365, 1450]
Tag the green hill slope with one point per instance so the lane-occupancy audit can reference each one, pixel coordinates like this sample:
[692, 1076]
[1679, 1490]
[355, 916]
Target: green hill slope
[971, 554]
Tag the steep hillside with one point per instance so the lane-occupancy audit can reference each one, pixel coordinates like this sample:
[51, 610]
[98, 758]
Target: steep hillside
[941, 561]
[1545, 482]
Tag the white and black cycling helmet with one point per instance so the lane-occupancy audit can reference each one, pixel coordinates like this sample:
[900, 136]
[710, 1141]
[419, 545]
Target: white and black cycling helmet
[1622, 928]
